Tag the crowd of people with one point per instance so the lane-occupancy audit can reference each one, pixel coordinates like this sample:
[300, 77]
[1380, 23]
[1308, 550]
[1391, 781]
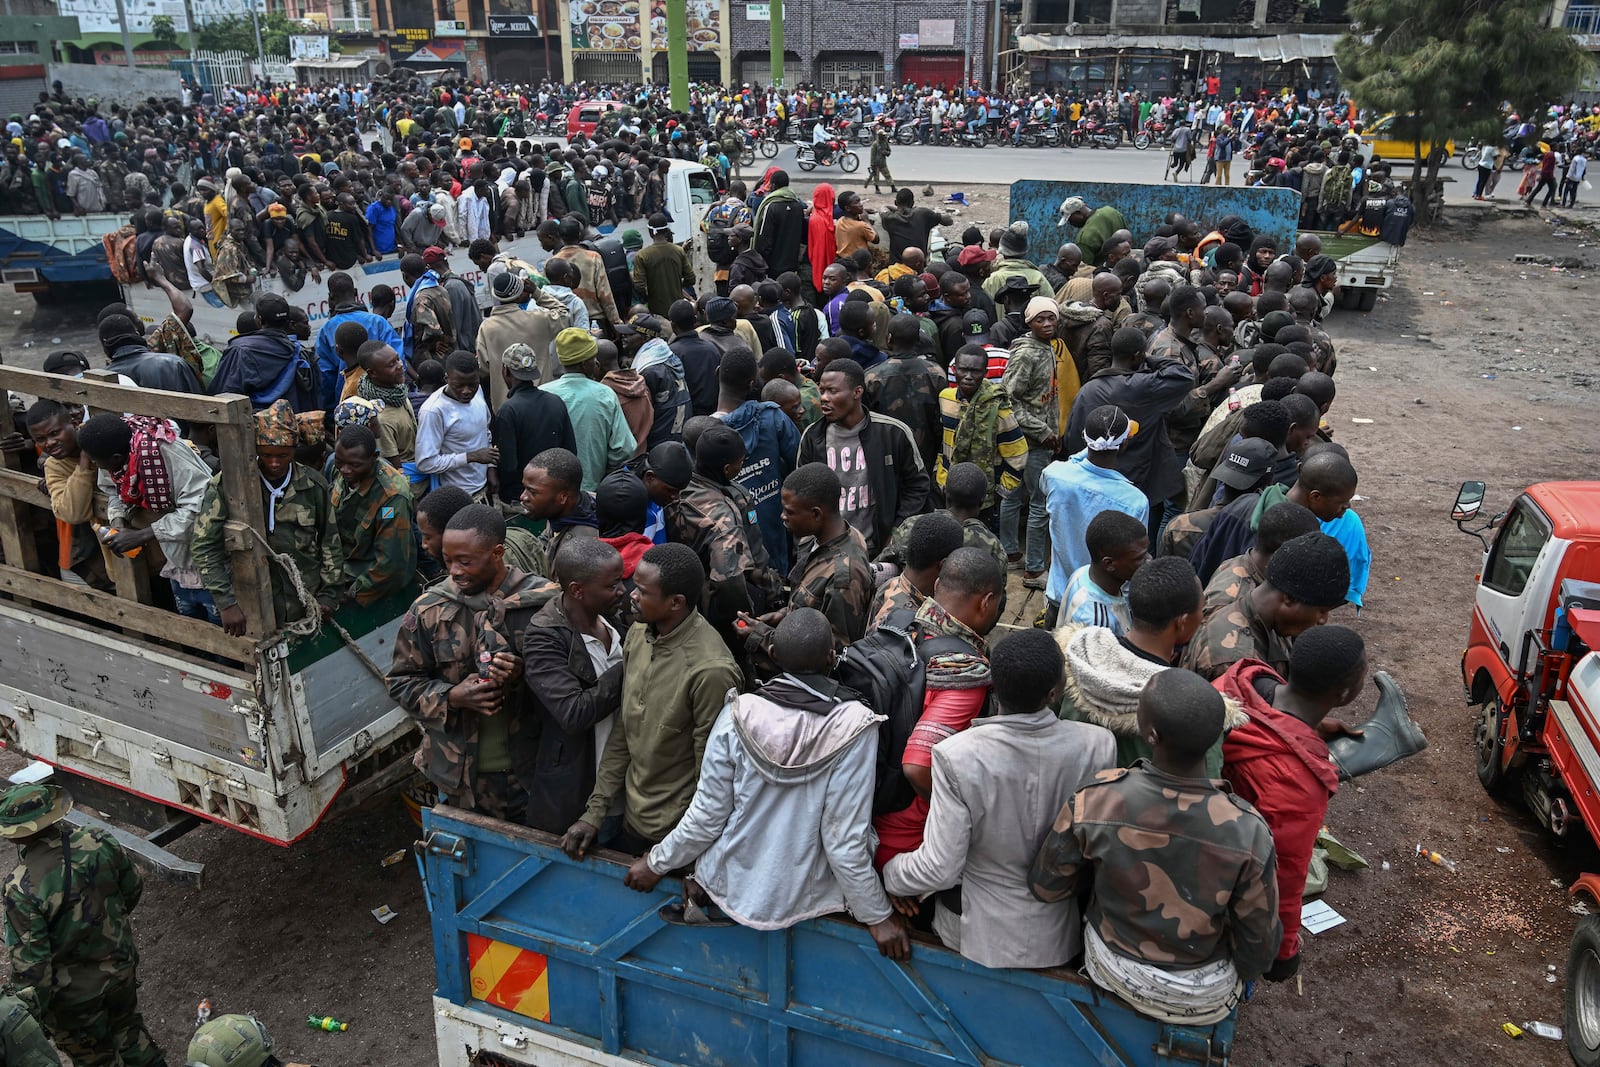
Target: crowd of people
[654, 536]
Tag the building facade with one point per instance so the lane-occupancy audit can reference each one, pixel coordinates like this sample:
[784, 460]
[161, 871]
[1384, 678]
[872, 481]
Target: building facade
[1173, 46]
[839, 43]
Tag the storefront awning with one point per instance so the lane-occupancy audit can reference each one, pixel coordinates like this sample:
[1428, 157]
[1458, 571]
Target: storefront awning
[331, 63]
[1284, 48]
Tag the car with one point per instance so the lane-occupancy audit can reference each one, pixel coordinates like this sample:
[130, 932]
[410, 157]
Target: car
[1388, 139]
[586, 115]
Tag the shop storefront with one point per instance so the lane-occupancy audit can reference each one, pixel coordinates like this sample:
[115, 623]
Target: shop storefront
[611, 41]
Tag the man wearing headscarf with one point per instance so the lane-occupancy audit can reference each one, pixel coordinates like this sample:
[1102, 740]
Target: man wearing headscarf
[1042, 381]
[299, 510]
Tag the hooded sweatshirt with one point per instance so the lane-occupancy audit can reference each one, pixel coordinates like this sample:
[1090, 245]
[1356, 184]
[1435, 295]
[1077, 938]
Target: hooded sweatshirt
[771, 443]
[633, 393]
[1281, 765]
[1105, 675]
[820, 236]
[778, 827]
[669, 389]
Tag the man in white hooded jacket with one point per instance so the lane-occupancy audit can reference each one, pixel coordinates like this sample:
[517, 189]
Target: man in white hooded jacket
[780, 829]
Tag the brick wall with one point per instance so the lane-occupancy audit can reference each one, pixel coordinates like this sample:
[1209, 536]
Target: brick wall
[816, 26]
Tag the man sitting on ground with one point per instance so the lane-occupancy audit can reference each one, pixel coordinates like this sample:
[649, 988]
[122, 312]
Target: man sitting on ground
[995, 788]
[1183, 909]
[777, 829]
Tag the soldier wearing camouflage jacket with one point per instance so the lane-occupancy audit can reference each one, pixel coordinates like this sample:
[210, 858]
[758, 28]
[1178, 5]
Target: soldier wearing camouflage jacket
[375, 519]
[22, 1040]
[68, 932]
[1184, 872]
[718, 521]
[974, 534]
[906, 386]
[835, 577]
[299, 512]
[438, 647]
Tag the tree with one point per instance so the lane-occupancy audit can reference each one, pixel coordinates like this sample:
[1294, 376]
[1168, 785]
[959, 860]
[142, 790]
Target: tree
[235, 33]
[1450, 66]
[163, 29]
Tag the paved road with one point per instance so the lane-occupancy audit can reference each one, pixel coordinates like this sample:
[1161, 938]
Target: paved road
[917, 164]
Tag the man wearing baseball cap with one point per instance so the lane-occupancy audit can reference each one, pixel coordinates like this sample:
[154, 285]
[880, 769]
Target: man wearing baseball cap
[68, 932]
[661, 271]
[1245, 467]
[1094, 227]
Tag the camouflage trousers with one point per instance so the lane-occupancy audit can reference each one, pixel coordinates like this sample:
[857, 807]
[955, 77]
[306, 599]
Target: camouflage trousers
[500, 796]
[105, 1032]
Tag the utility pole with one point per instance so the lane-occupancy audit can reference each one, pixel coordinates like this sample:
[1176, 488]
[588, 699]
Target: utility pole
[777, 43]
[127, 38]
[261, 53]
[678, 53]
[994, 51]
[966, 61]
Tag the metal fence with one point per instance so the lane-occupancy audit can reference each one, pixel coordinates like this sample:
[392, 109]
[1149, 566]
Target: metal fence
[214, 70]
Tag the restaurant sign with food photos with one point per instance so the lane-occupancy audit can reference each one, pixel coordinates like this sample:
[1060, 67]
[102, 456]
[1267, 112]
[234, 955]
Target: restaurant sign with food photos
[615, 25]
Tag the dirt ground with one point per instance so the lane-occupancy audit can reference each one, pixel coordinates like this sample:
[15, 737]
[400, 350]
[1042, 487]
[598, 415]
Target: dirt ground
[1469, 368]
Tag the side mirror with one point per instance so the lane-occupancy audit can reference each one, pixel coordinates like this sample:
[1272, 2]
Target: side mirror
[1469, 501]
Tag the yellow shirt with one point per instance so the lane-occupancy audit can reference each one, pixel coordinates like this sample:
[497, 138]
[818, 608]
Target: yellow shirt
[217, 218]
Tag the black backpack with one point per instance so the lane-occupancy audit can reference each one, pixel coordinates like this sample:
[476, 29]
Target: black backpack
[888, 669]
[717, 245]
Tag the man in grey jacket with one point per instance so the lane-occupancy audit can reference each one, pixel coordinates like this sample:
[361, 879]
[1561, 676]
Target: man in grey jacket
[995, 787]
[792, 840]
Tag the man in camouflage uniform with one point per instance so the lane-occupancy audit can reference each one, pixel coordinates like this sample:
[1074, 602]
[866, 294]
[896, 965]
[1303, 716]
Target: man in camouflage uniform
[906, 386]
[22, 1040]
[299, 515]
[373, 513]
[926, 547]
[980, 428]
[457, 669]
[1302, 586]
[430, 325]
[714, 516]
[68, 932]
[1237, 577]
[832, 573]
[1184, 909]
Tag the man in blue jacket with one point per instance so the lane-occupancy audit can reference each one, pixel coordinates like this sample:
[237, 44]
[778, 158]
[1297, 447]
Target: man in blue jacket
[771, 443]
[269, 364]
[344, 305]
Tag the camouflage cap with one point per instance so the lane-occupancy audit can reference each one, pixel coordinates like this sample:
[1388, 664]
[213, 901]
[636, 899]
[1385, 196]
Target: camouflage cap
[230, 1041]
[522, 361]
[27, 809]
[356, 411]
[277, 426]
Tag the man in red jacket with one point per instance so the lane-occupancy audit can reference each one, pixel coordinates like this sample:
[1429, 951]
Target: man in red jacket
[1279, 760]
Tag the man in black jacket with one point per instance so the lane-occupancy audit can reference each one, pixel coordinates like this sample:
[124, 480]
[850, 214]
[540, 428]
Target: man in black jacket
[572, 665]
[1146, 390]
[530, 421]
[780, 226]
[700, 358]
[269, 364]
[881, 474]
[908, 226]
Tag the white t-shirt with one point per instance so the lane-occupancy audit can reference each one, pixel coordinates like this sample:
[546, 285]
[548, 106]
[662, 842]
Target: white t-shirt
[195, 256]
[603, 656]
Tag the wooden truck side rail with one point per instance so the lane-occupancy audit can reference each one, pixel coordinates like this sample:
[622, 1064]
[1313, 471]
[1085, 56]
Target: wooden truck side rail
[129, 610]
[541, 959]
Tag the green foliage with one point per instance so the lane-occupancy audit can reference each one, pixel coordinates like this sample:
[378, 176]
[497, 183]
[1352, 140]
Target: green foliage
[1452, 64]
[234, 32]
[163, 29]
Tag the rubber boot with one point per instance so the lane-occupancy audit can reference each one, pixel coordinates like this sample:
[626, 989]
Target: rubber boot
[1388, 736]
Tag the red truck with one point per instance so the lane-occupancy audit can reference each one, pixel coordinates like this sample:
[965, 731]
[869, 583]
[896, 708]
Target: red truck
[1532, 669]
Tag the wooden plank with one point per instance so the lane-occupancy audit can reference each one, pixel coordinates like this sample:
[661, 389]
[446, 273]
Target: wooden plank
[16, 518]
[110, 610]
[241, 485]
[185, 407]
[16, 485]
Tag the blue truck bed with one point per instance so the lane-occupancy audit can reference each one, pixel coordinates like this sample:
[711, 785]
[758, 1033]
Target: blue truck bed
[544, 960]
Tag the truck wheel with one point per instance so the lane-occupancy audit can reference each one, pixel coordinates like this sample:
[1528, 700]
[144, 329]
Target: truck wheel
[1583, 993]
[1369, 299]
[1488, 746]
[1349, 298]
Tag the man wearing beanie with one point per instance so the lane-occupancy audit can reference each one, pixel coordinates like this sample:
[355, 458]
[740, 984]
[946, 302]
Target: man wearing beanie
[604, 440]
[1042, 381]
[1014, 261]
[1306, 579]
[528, 422]
[523, 313]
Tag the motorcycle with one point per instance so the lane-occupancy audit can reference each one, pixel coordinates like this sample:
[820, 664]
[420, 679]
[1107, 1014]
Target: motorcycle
[806, 159]
[868, 130]
[1153, 133]
[1035, 134]
[1102, 135]
[963, 136]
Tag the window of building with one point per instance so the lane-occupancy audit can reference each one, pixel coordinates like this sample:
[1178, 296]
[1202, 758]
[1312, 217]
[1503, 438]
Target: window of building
[866, 68]
[1095, 11]
[475, 15]
[19, 48]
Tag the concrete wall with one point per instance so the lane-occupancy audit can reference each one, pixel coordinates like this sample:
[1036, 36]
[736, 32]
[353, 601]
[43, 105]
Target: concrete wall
[1144, 208]
[109, 84]
[812, 27]
[1139, 12]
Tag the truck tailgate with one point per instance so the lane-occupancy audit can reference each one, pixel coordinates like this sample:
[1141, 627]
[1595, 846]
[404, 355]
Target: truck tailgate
[541, 959]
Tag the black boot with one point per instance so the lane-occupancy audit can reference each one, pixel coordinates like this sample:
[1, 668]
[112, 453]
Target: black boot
[1388, 736]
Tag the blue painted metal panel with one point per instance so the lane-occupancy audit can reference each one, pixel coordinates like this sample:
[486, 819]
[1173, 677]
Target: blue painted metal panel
[1145, 207]
[73, 254]
[623, 980]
